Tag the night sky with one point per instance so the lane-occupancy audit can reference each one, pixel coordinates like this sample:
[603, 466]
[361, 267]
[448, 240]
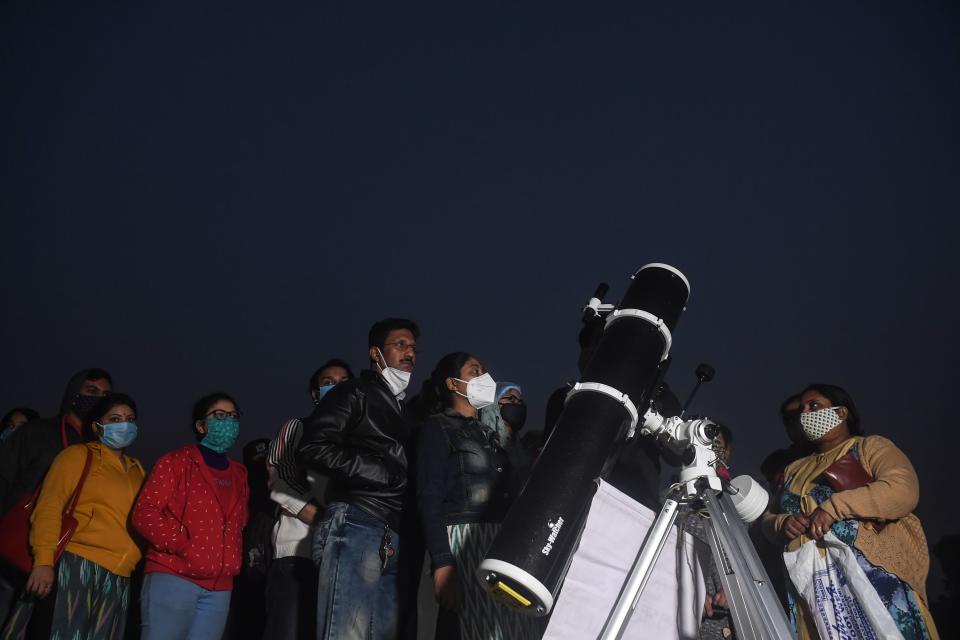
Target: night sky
[206, 198]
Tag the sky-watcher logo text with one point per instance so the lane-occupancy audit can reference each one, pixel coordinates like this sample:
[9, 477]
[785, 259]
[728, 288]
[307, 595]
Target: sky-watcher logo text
[554, 530]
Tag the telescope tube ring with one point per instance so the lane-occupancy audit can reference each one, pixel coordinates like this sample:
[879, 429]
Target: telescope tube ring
[658, 323]
[622, 398]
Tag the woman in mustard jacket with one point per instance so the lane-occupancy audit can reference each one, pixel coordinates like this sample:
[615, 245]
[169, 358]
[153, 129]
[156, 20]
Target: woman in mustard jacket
[873, 516]
[93, 574]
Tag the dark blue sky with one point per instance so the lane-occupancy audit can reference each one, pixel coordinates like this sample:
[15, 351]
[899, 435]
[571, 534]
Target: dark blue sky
[200, 198]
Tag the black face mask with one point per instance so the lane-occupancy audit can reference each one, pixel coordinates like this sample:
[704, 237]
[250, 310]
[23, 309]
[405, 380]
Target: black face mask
[514, 415]
[83, 405]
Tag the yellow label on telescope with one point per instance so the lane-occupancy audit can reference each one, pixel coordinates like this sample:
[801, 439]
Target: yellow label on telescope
[507, 591]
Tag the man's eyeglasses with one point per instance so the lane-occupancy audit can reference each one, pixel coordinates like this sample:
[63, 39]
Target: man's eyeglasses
[511, 400]
[402, 345]
[223, 415]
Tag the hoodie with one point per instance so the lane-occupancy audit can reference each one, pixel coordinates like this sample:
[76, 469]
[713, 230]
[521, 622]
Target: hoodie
[26, 455]
[193, 517]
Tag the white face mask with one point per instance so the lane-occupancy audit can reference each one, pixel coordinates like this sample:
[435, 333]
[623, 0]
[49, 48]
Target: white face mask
[817, 424]
[481, 391]
[396, 379]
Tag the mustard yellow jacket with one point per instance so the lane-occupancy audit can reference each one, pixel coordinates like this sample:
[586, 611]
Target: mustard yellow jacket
[102, 512]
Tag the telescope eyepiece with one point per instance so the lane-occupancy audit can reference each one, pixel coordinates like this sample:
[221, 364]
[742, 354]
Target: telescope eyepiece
[592, 310]
[711, 430]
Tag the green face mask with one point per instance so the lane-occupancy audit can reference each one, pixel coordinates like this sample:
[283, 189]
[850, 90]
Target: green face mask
[221, 434]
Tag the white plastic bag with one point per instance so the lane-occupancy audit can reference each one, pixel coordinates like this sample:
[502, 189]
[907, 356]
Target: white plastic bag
[840, 599]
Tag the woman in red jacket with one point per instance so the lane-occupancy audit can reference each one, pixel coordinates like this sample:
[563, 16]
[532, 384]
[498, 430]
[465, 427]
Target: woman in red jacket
[192, 511]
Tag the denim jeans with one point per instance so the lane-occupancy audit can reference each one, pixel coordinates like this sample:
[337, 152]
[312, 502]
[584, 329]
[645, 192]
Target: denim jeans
[172, 608]
[357, 595]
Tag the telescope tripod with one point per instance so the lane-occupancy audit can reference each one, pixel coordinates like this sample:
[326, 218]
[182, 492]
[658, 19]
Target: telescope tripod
[754, 606]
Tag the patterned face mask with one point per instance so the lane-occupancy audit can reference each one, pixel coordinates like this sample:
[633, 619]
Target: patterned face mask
[221, 434]
[817, 424]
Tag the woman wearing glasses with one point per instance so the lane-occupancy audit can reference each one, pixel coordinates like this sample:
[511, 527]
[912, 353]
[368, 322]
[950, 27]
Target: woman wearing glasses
[192, 511]
[863, 489]
[465, 483]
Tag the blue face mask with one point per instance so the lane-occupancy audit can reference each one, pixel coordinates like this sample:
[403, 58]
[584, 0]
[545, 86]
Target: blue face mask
[322, 391]
[221, 434]
[118, 435]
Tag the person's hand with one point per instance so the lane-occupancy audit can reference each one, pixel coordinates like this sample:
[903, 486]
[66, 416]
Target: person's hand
[719, 599]
[446, 587]
[308, 514]
[40, 581]
[795, 525]
[820, 523]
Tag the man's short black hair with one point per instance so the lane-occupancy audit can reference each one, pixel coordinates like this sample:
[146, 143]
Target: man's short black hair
[332, 362]
[380, 330]
[98, 374]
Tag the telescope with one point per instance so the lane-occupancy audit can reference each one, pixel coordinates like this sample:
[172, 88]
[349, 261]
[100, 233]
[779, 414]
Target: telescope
[528, 560]
[526, 564]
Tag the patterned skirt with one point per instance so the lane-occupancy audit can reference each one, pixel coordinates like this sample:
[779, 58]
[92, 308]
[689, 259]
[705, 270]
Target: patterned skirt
[481, 616]
[91, 602]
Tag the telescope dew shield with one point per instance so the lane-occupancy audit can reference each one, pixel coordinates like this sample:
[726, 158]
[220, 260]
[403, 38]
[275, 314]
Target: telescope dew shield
[528, 559]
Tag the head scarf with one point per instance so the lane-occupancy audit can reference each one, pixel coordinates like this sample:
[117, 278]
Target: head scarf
[490, 416]
[503, 387]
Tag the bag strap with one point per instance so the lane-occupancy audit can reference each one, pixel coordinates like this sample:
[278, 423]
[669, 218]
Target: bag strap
[72, 504]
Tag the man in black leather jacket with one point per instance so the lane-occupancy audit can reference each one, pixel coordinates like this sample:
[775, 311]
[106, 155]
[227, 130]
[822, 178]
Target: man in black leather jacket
[358, 437]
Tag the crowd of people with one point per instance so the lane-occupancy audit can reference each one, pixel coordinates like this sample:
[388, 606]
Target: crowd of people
[324, 528]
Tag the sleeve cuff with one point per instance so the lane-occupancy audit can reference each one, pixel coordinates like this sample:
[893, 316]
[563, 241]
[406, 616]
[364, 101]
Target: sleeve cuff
[830, 509]
[778, 522]
[772, 525]
[441, 560]
[43, 557]
[290, 503]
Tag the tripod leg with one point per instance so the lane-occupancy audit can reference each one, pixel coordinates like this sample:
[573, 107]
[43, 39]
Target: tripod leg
[756, 611]
[640, 572]
[732, 587]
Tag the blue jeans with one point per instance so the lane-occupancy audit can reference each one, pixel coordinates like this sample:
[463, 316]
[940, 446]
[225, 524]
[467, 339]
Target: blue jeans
[172, 608]
[357, 595]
